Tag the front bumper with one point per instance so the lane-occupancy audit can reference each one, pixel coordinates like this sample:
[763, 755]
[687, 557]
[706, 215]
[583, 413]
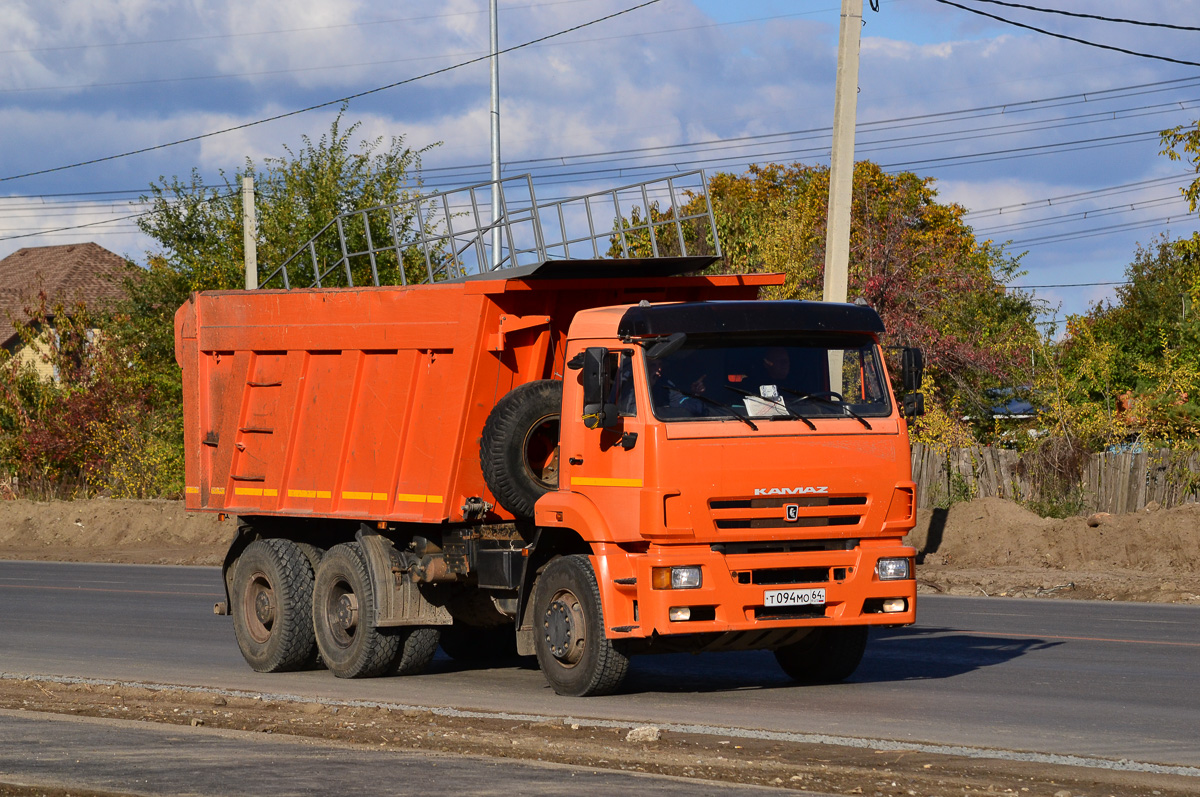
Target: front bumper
[734, 583]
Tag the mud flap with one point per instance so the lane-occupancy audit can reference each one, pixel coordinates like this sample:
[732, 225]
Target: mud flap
[398, 600]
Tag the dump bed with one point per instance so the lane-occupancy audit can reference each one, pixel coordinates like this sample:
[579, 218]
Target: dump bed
[369, 402]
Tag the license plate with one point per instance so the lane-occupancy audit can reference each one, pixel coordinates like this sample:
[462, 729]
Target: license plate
[794, 597]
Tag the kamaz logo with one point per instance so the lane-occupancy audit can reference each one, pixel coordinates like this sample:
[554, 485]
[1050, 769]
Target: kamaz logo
[791, 490]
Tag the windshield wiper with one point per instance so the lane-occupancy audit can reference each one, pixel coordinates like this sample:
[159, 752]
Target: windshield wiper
[822, 399]
[720, 404]
[790, 414]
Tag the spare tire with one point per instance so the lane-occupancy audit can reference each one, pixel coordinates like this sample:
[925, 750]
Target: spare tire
[519, 448]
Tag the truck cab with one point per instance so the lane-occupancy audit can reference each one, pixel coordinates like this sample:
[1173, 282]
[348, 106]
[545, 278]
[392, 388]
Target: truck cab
[740, 473]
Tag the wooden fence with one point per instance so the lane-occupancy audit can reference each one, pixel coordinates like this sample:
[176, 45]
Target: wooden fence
[1116, 482]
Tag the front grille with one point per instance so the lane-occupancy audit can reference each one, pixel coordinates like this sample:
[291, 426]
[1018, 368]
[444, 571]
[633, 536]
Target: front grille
[787, 612]
[783, 546]
[785, 512]
[775, 502]
[784, 523]
[784, 575]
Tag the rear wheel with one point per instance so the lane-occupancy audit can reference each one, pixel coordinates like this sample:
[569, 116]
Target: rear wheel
[415, 651]
[271, 595]
[572, 651]
[343, 612]
[825, 656]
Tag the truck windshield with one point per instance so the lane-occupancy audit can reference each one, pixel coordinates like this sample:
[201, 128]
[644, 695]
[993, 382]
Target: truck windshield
[778, 378]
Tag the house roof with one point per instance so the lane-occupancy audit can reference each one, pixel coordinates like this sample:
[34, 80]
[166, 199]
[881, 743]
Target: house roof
[84, 272]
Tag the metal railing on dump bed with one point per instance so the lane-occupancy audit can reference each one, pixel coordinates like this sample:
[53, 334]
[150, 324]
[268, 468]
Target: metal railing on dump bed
[449, 234]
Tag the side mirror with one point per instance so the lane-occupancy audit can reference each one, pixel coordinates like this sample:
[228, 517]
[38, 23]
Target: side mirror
[596, 383]
[914, 405]
[912, 368]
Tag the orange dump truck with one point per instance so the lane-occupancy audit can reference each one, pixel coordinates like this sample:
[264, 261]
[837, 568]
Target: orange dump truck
[579, 459]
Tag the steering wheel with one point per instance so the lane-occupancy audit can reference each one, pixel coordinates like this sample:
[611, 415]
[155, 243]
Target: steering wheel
[823, 394]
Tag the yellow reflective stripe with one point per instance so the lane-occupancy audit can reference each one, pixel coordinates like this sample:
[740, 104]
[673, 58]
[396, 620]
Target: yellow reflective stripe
[309, 494]
[260, 492]
[417, 498]
[587, 481]
[217, 491]
[191, 490]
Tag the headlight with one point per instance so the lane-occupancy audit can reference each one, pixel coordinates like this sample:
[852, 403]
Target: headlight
[892, 569]
[675, 577]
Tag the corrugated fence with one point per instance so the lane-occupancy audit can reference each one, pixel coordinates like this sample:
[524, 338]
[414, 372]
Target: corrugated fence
[1115, 482]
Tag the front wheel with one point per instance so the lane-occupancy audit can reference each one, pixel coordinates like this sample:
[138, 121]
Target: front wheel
[825, 655]
[572, 650]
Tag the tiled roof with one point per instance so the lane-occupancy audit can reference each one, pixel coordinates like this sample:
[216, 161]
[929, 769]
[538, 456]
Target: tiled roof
[74, 272]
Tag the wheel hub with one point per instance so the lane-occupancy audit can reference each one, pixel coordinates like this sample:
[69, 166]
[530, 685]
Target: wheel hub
[345, 612]
[565, 629]
[558, 629]
[264, 607]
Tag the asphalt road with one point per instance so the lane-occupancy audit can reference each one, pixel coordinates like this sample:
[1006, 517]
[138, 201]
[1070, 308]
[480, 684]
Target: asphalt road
[1064, 677]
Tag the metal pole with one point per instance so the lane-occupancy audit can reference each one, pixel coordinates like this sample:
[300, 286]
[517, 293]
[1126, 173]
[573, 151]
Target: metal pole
[841, 167]
[249, 235]
[497, 239]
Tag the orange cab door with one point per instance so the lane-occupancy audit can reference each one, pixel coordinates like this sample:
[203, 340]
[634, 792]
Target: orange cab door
[608, 465]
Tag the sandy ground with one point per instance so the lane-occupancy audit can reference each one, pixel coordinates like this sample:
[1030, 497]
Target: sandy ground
[820, 768]
[983, 547]
[988, 547]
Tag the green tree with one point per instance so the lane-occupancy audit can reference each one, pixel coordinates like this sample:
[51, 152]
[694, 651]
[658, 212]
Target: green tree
[912, 258]
[113, 421]
[1138, 356]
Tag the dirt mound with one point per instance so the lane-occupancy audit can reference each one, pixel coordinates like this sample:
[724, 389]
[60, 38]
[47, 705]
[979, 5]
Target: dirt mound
[992, 546]
[988, 546]
[105, 530]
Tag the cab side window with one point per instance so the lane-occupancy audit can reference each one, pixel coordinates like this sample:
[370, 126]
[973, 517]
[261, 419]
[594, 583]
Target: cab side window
[620, 392]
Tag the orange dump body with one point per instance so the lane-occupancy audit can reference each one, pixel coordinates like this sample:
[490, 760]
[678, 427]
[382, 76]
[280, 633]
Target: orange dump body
[369, 402]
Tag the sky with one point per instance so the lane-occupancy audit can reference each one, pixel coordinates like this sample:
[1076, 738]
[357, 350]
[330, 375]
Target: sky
[1052, 145]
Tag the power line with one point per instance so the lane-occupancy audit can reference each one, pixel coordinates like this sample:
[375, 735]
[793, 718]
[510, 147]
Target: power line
[1071, 285]
[937, 117]
[86, 225]
[210, 37]
[1069, 38]
[298, 70]
[1049, 201]
[1090, 16]
[330, 102]
[1084, 214]
[1075, 236]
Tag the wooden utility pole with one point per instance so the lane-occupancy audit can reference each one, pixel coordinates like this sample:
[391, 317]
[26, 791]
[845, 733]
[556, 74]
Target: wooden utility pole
[249, 233]
[841, 166]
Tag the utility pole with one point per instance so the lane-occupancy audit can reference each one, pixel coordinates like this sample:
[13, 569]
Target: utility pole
[497, 238]
[249, 233]
[841, 166]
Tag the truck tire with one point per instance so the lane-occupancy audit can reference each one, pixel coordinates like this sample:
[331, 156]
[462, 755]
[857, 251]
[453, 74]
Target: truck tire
[470, 643]
[572, 650]
[416, 650]
[519, 448]
[343, 610]
[825, 656]
[271, 597]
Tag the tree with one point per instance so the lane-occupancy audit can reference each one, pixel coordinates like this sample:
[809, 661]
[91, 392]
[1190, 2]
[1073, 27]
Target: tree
[113, 421]
[1139, 355]
[911, 258]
